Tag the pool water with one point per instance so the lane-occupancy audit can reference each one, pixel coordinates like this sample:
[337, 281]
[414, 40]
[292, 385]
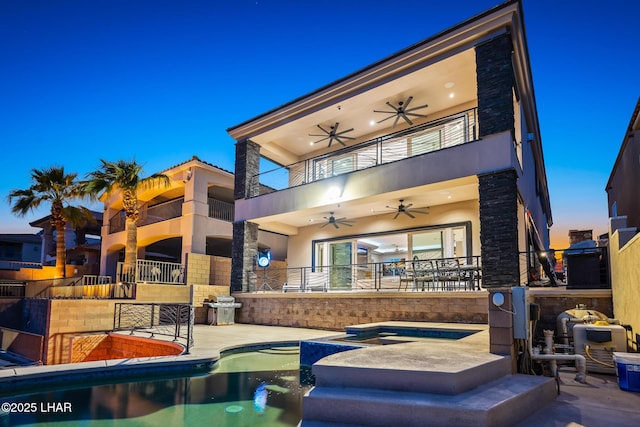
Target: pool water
[245, 389]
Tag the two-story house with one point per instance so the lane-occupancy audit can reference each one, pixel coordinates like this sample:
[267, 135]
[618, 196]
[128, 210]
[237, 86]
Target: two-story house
[433, 153]
[193, 215]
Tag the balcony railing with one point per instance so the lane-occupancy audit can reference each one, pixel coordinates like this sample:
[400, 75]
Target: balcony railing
[220, 210]
[169, 210]
[148, 271]
[434, 275]
[443, 133]
[149, 214]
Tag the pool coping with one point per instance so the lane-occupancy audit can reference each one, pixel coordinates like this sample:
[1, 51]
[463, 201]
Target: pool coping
[12, 378]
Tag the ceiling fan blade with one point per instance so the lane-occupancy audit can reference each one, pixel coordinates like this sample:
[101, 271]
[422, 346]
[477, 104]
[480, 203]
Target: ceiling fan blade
[415, 114]
[408, 206]
[324, 130]
[385, 119]
[419, 212]
[416, 108]
[406, 119]
[395, 122]
[344, 131]
[324, 225]
[409, 214]
[335, 225]
[347, 224]
[397, 110]
[396, 215]
[406, 104]
[386, 112]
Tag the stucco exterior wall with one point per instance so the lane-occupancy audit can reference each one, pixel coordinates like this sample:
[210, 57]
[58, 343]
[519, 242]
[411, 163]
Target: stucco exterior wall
[625, 276]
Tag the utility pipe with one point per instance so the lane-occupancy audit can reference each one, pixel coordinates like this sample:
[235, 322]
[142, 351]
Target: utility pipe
[580, 361]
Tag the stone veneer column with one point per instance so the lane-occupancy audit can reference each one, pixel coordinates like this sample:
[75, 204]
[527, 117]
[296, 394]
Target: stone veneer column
[494, 76]
[244, 251]
[499, 229]
[246, 168]
[244, 247]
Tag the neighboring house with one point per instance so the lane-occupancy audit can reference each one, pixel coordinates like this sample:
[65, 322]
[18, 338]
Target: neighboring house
[192, 215]
[82, 242]
[16, 249]
[622, 187]
[445, 130]
[624, 212]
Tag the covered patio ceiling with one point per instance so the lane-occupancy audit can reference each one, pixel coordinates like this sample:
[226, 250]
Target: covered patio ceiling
[442, 85]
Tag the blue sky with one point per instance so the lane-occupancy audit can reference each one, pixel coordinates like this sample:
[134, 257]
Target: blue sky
[162, 80]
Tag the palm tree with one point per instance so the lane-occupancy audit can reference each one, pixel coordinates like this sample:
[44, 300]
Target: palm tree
[54, 186]
[124, 176]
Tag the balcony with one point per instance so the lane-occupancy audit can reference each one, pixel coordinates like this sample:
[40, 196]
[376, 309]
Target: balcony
[169, 210]
[433, 136]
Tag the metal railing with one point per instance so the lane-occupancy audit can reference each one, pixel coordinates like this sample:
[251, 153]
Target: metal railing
[221, 210]
[169, 210]
[173, 320]
[12, 289]
[152, 272]
[443, 133]
[17, 265]
[149, 214]
[586, 267]
[442, 275]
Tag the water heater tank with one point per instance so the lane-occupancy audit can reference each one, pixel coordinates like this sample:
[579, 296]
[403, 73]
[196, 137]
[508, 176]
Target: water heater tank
[597, 344]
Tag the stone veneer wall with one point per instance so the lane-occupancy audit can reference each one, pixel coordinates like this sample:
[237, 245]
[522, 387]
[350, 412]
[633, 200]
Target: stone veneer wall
[335, 311]
[115, 346]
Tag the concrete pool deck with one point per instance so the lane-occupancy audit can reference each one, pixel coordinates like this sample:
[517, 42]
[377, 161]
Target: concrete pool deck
[600, 402]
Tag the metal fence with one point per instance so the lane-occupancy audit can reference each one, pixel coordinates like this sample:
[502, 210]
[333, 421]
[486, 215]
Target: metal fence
[442, 275]
[152, 272]
[12, 290]
[443, 133]
[173, 320]
[17, 265]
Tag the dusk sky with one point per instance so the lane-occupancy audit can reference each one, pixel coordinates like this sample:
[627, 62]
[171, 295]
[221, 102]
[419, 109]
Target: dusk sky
[162, 80]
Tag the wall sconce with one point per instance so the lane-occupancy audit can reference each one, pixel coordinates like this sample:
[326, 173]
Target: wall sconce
[187, 175]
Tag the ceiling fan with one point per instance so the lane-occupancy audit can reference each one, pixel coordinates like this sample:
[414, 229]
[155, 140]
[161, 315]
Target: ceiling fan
[402, 110]
[336, 222]
[405, 209]
[333, 134]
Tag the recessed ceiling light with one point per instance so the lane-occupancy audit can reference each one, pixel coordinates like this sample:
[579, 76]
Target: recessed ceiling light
[311, 143]
[449, 85]
[451, 95]
[372, 122]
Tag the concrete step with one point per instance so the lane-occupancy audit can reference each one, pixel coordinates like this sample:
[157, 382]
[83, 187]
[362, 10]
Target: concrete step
[444, 369]
[502, 402]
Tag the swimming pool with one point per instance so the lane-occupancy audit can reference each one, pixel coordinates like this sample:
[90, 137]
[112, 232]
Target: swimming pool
[260, 387]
